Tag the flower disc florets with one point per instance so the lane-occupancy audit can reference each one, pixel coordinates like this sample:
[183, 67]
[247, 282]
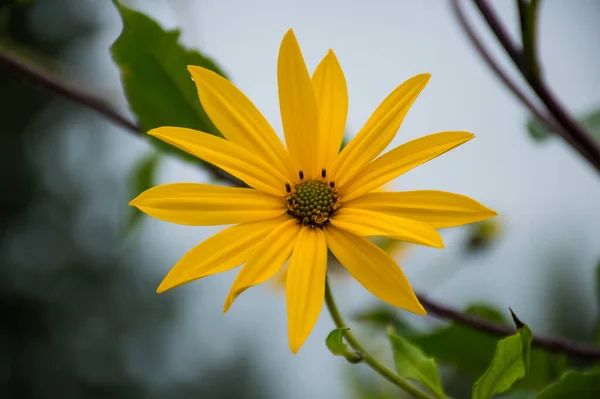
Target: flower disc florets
[313, 202]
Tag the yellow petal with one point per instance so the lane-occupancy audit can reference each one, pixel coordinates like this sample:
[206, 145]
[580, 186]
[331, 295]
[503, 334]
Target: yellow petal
[379, 130]
[373, 268]
[368, 223]
[400, 160]
[239, 120]
[206, 205]
[298, 107]
[226, 155]
[267, 260]
[332, 100]
[305, 288]
[437, 208]
[219, 253]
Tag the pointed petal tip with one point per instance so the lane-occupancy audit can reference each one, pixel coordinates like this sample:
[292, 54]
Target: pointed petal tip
[289, 35]
[228, 303]
[294, 348]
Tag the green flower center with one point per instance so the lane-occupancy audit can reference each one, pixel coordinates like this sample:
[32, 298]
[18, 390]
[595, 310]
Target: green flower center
[312, 201]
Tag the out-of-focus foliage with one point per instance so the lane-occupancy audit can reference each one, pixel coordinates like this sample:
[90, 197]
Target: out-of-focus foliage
[597, 328]
[159, 89]
[510, 364]
[411, 363]
[573, 385]
[590, 121]
[79, 318]
[483, 235]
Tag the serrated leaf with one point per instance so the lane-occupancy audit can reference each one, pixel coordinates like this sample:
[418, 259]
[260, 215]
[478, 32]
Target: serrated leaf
[142, 178]
[158, 87]
[337, 346]
[412, 364]
[510, 364]
[573, 385]
[590, 121]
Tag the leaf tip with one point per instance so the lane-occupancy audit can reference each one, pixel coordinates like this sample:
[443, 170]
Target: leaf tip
[516, 320]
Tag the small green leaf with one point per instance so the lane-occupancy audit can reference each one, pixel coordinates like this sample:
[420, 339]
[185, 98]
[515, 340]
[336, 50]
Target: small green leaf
[412, 364]
[141, 179]
[510, 363]
[337, 346]
[159, 89]
[573, 385]
[590, 121]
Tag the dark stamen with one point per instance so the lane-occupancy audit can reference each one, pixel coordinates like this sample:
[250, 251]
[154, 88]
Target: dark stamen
[323, 173]
[332, 184]
[288, 188]
[301, 174]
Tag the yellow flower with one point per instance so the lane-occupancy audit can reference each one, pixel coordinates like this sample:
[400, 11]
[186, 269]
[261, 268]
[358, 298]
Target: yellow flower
[307, 197]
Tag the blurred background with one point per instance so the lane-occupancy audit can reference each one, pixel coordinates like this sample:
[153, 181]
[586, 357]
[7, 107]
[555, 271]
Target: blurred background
[79, 313]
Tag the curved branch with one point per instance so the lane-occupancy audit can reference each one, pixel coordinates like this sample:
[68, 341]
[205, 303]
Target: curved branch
[58, 86]
[547, 119]
[561, 115]
[554, 345]
[568, 347]
[91, 102]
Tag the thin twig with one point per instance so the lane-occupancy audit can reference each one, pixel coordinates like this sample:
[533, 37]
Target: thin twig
[59, 86]
[561, 115]
[568, 347]
[554, 345]
[542, 116]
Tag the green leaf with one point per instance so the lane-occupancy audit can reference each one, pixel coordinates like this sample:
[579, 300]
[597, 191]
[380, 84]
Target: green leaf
[141, 179]
[159, 89]
[590, 121]
[412, 364]
[469, 351]
[510, 363]
[337, 346]
[573, 385]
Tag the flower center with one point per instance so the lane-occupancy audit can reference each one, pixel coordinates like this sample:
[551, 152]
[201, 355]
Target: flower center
[312, 201]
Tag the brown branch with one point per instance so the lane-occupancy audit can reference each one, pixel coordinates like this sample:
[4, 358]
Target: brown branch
[542, 116]
[59, 86]
[568, 347]
[588, 147]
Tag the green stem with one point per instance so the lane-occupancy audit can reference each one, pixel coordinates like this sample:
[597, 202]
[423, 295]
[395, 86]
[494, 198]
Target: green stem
[366, 356]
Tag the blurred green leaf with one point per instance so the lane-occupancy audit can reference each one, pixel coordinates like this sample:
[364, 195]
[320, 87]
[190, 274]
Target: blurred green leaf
[412, 364]
[573, 385]
[337, 346]
[141, 179]
[469, 350]
[597, 328]
[159, 89]
[384, 316]
[590, 121]
[510, 363]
